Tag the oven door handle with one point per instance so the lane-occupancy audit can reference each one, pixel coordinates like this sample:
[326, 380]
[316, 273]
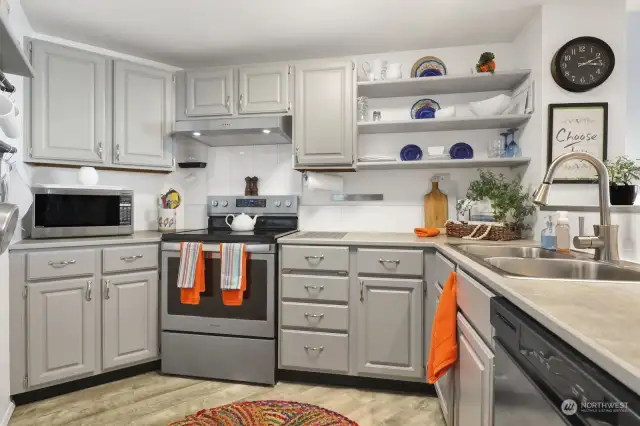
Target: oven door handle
[215, 248]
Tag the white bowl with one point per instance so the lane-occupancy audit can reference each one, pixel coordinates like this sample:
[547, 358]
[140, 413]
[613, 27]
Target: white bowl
[446, 112]
[492, 106]
[435, 150]
[88, 176]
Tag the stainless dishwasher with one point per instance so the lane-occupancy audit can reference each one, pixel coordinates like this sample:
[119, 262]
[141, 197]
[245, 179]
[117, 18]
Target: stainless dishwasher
[542, 381]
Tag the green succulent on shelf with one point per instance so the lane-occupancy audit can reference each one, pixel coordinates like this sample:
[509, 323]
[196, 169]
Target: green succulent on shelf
[623, 171]
[507, 197]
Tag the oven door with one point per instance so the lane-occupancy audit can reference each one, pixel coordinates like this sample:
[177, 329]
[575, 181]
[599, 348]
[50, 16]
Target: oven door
[518, 400]
[254, 318]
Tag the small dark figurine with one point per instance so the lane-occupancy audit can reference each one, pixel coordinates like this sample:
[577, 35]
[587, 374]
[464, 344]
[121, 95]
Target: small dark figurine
[254, 185]
[247, 188]
[486, 63]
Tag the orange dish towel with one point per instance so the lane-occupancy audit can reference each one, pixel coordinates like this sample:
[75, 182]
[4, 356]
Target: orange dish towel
[443, 353]
[191, 296]
[233, 271]
[427, 232]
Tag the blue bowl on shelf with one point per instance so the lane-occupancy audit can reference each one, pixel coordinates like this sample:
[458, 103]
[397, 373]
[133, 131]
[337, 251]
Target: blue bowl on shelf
[410, 153]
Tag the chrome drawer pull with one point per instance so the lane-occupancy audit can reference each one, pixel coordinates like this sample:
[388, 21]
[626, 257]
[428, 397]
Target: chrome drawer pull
[383, 261]
[87, 295]
[315, 257]
[311, 348]
[106, 289]
[131, 258]
[315, 287]
[63, 263]
[308, 315]
[362, 290]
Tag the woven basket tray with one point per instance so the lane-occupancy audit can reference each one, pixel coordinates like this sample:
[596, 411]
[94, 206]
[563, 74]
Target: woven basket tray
[497, 233]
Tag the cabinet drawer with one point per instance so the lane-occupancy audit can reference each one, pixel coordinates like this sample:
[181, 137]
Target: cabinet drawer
[315, 288]
[474, 302]
[390, 262]
[316, 316]
[132, 258]
[444, 267]
[316, 258]
[58, 264]
[315, 351]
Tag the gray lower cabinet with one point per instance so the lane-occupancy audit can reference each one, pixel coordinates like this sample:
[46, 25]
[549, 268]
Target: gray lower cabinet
[61, 318]
[263, 89]
[324, 130]
[208, 91]
[473, 378]
[69, 105]
[390, 327]
[143, 115]
[130, 318]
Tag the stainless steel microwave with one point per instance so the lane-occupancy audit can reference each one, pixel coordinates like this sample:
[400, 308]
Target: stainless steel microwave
[80, 211]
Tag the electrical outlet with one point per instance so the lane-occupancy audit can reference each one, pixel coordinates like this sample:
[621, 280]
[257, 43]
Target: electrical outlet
[440, 177]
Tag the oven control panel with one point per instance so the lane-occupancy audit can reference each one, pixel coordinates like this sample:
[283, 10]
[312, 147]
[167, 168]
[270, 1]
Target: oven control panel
[267, 205]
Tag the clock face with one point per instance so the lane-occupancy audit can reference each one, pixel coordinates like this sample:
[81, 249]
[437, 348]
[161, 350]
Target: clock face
[583, 64]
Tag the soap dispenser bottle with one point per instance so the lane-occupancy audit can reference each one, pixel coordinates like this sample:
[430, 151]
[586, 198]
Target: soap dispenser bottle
[563, 233]
[548, 236]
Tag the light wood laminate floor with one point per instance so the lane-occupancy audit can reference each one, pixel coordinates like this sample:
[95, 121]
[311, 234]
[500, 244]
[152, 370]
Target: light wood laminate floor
[154, 399]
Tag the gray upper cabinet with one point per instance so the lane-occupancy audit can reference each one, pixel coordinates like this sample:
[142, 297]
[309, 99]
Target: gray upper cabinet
[324, 113]
[69, 111]
[143, 115]
[473, 378]
[130, 318]
[390, 327]
[61, 319]
[263, 89]
[209, 92]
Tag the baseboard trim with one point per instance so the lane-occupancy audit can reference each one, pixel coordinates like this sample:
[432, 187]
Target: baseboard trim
[87, 382]
[8, 414]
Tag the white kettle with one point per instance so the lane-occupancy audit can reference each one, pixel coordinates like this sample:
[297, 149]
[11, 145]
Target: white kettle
[241, 222]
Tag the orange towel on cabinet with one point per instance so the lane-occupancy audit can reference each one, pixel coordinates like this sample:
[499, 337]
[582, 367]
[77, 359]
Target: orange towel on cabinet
[443, 352]
[426, 232]
[191, 296]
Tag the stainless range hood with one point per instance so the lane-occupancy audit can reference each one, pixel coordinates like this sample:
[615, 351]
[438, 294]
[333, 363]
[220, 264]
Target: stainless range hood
[237, 130]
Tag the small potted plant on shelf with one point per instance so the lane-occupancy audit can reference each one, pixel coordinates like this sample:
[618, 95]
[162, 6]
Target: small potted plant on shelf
[510, 203]
[486, 63]
[622, 173]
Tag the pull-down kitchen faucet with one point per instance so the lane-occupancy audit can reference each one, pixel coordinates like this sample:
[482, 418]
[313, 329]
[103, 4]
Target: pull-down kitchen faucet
[605, 241]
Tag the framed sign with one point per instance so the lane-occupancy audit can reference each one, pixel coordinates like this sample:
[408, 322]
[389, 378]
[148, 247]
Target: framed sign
[577, 127]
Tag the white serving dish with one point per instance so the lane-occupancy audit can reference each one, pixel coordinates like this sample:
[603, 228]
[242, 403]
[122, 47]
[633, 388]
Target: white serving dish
[446, 112]
[492, 106]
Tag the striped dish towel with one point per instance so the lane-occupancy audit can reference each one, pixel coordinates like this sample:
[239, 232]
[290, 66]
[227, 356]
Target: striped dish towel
[232, 258]
[188, 261]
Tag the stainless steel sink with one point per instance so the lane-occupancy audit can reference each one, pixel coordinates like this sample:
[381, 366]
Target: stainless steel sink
[510, 251]
[538, 263]
[565, 269]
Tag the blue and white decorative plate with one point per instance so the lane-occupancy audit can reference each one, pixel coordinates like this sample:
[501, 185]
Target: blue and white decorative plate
[424, 108]
[461, 151]
[429, 66]
[410, 153]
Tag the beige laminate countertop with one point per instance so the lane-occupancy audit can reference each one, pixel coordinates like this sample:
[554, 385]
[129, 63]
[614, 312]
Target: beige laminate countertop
[600, 320]
[49, 243]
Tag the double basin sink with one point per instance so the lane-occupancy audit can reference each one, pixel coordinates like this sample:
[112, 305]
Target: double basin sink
[538, 263]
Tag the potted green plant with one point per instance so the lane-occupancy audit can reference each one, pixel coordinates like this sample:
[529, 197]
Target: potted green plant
[622, 173]
[511, 204]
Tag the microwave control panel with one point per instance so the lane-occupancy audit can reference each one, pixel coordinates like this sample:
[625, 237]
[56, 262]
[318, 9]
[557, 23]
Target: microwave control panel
[126, 205]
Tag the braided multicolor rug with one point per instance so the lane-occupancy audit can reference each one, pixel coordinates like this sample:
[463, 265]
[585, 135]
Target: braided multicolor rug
[265, 413]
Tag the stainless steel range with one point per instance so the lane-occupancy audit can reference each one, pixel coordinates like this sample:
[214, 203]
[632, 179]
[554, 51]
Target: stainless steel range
[217, 341]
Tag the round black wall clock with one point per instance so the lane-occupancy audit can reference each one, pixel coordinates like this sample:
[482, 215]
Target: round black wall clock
[582, 64]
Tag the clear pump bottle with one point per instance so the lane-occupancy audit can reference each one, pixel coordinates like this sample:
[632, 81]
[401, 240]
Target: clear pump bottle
[548, 235]
[563, 233]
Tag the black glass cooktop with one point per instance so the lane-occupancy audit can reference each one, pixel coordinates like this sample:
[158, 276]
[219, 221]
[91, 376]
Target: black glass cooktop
[264, 236]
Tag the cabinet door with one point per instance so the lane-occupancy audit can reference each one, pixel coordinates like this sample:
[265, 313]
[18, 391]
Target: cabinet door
[61, 323]
[130, 318]
[264, 89]
[143, 115]
[69, 113]
[209, 92]
[324, 121]
[444, 386]
[473, 378]
[390, 327]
